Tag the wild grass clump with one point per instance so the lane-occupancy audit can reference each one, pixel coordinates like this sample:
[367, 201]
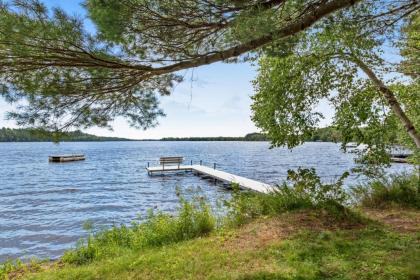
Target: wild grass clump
[304, 190]
[194, 219]
[13, 268]
[9, 267]
[394, 191]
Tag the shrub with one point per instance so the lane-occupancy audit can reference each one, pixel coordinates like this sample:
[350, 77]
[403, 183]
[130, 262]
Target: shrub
[308, 183]
[398, 190]
[245, 206]
[194, 219]
[304, 191]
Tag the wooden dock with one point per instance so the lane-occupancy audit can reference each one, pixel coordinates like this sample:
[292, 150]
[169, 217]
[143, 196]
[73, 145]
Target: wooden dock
[219, 175]
[400, 157]
[66, 158]
[399, 160]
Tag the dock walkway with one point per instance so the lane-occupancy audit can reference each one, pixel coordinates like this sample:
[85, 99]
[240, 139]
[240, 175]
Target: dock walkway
[243, 182]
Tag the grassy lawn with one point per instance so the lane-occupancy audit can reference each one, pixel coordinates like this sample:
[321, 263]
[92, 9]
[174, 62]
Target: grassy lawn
[296, 245]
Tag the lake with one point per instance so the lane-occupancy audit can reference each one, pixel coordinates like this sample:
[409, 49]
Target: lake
[43, 205]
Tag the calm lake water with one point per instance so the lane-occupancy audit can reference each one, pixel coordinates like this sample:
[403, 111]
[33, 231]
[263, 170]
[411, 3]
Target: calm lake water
[43, 205]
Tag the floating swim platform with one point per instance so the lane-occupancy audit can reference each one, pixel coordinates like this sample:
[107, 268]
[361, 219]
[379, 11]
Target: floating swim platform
[66, 158]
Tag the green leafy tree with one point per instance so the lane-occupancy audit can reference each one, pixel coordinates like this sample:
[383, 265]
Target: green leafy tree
[409, 93]
[410, 46]
[63, 76]
[339, 60]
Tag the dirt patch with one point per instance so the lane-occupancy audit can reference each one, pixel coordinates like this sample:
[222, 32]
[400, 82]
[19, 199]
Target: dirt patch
[401, 220]
[263, 232]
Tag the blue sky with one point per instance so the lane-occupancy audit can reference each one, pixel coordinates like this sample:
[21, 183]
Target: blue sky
[213, 100]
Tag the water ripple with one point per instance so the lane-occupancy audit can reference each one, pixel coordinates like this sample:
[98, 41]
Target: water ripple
[44, 205]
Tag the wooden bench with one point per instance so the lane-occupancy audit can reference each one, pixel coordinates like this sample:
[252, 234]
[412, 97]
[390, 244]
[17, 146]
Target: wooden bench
[170, 161]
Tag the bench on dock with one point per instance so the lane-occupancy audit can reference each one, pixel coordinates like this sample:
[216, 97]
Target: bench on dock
[171, 161]
[209, 172]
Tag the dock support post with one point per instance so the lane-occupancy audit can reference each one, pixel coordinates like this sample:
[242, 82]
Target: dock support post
[191, 162]
[201, 162]
[214, 165]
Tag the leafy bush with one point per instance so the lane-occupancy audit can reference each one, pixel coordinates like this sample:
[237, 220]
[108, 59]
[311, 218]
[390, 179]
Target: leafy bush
[304, 191]
[399, 190]
[245, 206]
[307, 183]
[193, 220]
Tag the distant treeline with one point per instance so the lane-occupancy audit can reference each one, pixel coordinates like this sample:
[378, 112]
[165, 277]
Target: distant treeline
[35, 135]
[326, 134]
[248, 137]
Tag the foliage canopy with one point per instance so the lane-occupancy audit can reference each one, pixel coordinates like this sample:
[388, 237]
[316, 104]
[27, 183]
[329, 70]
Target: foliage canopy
[63, 76]
[325, 64]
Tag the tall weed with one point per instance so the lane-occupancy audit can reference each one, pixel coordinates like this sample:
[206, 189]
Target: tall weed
[194, 219]
[304, 190]
[400, 190]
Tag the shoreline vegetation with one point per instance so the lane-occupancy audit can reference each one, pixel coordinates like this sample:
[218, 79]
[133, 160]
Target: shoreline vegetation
[324, 134]
[33, 135]
[327, 134]
[305, 230]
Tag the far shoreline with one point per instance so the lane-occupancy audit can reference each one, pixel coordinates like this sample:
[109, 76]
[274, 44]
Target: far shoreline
[151, 140]
[327, 134]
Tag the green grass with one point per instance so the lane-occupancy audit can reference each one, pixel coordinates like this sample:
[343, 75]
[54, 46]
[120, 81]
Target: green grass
[360, 252]
[369, 253]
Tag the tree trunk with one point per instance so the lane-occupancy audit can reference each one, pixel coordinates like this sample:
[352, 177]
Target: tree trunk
[392, 101]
